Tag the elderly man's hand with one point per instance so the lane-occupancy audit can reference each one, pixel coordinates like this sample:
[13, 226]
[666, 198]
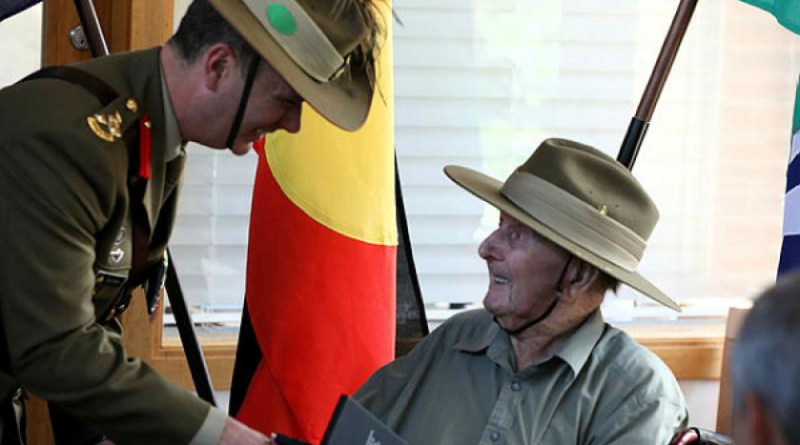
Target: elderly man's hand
[237, 433]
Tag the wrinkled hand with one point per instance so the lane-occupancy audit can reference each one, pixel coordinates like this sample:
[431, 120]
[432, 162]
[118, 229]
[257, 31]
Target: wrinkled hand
[686, 437]
[237, 433]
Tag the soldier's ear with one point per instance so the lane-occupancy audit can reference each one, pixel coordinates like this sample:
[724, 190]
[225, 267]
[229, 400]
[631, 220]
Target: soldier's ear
[220, 64]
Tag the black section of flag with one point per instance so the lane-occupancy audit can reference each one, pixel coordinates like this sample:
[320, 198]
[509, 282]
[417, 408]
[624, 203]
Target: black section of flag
[12, 7]
[412, 324]
[248, 357]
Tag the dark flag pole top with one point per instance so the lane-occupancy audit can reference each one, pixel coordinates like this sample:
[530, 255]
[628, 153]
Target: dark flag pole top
[669, 50]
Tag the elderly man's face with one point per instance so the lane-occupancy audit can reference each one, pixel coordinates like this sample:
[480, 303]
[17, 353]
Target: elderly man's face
[523, 271]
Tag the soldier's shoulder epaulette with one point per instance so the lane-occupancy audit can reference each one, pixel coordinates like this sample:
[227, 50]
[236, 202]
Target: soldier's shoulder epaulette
[113, 121]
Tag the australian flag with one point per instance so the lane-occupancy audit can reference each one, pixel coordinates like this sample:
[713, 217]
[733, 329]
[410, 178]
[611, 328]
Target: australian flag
[790, 252]
[11, 7]
[787, 12]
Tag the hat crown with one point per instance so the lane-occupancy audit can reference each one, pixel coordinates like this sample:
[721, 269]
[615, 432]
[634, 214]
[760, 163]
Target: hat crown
[582, 200]
[342, 21]
[596, 179]
[325, 49]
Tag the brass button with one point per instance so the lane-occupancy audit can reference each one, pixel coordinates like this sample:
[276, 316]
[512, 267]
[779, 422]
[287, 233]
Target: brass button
[132, 106]
[148, 124]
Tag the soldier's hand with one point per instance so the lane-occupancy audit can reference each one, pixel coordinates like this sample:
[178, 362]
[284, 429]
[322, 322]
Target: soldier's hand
[237, 433]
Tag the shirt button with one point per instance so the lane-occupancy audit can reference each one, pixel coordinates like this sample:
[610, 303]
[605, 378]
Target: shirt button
[515, 386]
[495, 436]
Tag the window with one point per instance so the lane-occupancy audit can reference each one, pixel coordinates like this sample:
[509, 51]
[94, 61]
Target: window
[20, 42]
[481, 83]
[209, 243]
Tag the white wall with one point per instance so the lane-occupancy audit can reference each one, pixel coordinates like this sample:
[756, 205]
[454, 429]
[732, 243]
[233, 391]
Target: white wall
[701, 397]
[20, 45]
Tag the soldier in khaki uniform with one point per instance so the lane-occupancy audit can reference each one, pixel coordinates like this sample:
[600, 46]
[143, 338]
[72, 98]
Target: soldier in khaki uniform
[70, 213]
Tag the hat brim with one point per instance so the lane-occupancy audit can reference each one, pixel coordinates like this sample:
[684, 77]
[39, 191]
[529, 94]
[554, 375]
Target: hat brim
[488, 189]
[345, 101]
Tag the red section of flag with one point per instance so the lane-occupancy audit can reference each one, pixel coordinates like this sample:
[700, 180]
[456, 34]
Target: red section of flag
[323, 310]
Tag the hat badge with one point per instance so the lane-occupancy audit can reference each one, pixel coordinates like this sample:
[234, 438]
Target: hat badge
[281, 19]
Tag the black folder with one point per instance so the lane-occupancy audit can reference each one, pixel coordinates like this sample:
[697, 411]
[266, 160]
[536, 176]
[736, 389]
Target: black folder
[351, 424]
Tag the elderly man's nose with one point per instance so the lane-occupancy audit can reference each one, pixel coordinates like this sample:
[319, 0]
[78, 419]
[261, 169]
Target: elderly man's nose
[488, 248]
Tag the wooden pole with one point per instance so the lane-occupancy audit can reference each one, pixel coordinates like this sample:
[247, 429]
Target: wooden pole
[669, 50]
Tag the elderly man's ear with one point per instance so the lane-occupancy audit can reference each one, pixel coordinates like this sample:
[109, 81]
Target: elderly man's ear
[580, 279]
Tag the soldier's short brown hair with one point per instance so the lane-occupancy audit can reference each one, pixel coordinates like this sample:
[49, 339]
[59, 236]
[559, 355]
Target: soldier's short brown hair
[202, 27]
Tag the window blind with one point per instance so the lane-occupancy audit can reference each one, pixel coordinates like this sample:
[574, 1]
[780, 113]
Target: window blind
[481, 83]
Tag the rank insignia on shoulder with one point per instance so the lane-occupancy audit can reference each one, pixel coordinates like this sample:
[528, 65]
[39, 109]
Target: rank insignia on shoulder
[106, 126]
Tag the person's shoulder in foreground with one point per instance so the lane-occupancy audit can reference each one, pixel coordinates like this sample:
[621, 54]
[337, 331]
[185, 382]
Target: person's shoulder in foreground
[766, 368]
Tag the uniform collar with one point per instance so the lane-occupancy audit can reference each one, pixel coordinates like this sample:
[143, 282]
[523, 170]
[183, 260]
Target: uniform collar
[172, 132]
[137, 75]
[574, 350]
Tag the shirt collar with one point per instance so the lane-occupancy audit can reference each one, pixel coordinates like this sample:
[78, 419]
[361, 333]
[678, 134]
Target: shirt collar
[171, 129]
[481, 338]
[574, 350]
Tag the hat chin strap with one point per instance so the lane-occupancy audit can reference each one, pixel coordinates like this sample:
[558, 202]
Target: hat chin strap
[248, 86]
[547, 311]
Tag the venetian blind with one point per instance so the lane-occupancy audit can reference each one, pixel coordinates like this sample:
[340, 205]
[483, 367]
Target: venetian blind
[481, 83]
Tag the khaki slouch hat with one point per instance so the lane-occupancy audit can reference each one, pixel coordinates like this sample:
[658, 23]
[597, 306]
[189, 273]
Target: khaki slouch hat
[325, 49]
[582, 200]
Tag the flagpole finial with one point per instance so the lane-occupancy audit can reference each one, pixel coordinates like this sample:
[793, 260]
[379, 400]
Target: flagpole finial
[647, 105]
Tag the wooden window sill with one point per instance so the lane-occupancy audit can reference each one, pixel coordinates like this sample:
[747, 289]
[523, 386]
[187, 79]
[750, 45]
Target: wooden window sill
[692, 353]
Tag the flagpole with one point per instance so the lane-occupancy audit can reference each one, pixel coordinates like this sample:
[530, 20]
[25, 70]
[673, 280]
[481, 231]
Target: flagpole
[91, 27]
[669, 50]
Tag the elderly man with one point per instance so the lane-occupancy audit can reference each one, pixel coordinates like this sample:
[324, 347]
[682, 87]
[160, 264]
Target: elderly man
[92, 158]
[766, 369]
[539, 365]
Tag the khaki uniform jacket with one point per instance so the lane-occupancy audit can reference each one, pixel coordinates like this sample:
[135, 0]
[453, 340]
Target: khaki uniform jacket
[64, 223]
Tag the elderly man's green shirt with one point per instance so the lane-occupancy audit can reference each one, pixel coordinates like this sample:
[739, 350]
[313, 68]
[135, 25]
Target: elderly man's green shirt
[459, 387]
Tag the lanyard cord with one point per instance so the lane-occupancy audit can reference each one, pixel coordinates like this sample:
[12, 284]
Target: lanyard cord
[549, 309]
[248, 85]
